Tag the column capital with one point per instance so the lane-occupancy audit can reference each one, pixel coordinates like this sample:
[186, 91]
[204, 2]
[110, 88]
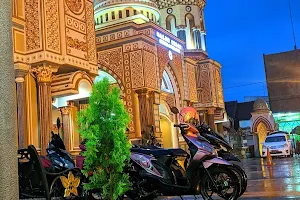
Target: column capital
[21, 70]
[196, 28]
[65, 110]
[44, 73]
[142, 91]
[211, 111]
[181, 27]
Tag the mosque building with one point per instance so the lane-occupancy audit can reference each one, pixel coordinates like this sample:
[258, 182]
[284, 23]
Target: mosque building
[153, 50]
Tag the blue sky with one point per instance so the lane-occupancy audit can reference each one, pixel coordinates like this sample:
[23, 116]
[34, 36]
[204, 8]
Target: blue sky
[240, 31]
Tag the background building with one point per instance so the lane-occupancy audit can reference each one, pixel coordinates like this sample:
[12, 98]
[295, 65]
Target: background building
[283, 84]
[250, 123]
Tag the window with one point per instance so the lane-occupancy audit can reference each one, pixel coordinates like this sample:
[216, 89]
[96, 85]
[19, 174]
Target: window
[101, 19]
[148, 14]
[152, 16]
[134, 12]
[142, 12]
[166, 84]
[106, 17]
[127, 13]
[275, 139]
[97, 21]
[113, 15]
[120, 13]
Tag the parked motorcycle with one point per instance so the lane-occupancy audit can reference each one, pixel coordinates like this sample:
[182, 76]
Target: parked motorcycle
[59, 163]
[224, 150]
[58, 159]
[158, 171]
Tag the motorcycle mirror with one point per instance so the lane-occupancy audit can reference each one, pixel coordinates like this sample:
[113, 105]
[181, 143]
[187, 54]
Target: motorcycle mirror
[174, 110]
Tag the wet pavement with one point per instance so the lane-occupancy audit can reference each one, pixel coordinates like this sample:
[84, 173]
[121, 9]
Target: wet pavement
[280, 181]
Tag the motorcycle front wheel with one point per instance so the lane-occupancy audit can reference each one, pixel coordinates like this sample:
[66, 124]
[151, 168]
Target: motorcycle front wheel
[220, 181]
[242, 174]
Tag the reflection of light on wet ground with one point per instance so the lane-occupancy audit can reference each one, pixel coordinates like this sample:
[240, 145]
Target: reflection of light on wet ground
[280, 180]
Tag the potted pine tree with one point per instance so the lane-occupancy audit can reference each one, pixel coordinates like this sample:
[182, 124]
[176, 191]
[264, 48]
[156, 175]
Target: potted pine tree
[103, 124]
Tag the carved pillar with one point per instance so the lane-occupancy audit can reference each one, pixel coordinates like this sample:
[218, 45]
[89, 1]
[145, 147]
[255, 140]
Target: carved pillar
[44, 78]
[65, 113]
[154, 105]
[211, 118]
[203, 41]
[144, 108]
[20, 78]
[8, 144]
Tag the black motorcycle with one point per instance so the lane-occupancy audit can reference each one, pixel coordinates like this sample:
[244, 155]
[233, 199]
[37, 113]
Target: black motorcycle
[59, 163]
[158, 171]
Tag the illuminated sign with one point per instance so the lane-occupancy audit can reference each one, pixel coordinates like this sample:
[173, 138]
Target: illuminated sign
[167, 42]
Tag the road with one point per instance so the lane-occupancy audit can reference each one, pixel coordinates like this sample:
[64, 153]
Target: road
[280, 181]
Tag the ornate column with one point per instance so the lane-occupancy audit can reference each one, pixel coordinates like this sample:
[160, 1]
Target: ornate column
[203, 40]
[154, 102]
[65, 113]
[8, 144]
[144, 108]
[20, 78]
[197, 37]
[44, 77]
[211, 118]
[181, 32]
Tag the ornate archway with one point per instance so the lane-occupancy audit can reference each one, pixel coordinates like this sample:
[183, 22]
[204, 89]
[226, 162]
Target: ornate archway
[261, 120]
[174, 82]
[262, 127]
[115, 76]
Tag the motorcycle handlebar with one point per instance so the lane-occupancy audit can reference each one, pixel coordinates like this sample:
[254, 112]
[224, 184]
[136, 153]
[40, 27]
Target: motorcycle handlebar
[181, 125]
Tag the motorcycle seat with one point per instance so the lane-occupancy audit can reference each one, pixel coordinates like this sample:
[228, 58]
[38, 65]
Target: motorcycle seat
[161, 152]
[178, 152]
[154, 152]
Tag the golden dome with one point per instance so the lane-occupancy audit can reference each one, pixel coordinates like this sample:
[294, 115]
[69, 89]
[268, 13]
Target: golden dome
[260, 104]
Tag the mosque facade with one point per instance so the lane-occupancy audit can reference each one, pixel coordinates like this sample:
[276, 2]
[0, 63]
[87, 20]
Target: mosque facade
[154, 51]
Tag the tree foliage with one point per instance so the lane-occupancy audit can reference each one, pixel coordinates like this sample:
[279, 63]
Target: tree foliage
[103, 124]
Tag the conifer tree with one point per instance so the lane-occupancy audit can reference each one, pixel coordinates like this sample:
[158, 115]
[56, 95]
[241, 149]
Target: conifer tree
[103, 124]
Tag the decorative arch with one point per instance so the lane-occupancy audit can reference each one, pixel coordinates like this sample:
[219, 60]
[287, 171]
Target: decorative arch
[115, 76]
[80, 76]
[171, 23]
[68, 84]
[190, 24]
[262, 120]
[176, 87]
[165, 106]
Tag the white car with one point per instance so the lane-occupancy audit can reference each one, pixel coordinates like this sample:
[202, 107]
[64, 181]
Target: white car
[278, 144]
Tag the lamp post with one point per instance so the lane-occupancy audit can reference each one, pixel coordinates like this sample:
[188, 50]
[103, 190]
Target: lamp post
[8, 132]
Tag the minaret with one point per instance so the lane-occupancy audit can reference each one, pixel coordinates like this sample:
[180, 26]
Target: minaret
[185, 19]
[109, 12]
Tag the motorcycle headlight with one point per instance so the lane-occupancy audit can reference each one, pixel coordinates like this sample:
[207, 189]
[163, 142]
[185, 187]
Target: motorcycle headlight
[285, 145]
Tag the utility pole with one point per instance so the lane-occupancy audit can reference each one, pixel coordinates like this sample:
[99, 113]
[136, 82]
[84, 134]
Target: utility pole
[292, 22]
[8, 133]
